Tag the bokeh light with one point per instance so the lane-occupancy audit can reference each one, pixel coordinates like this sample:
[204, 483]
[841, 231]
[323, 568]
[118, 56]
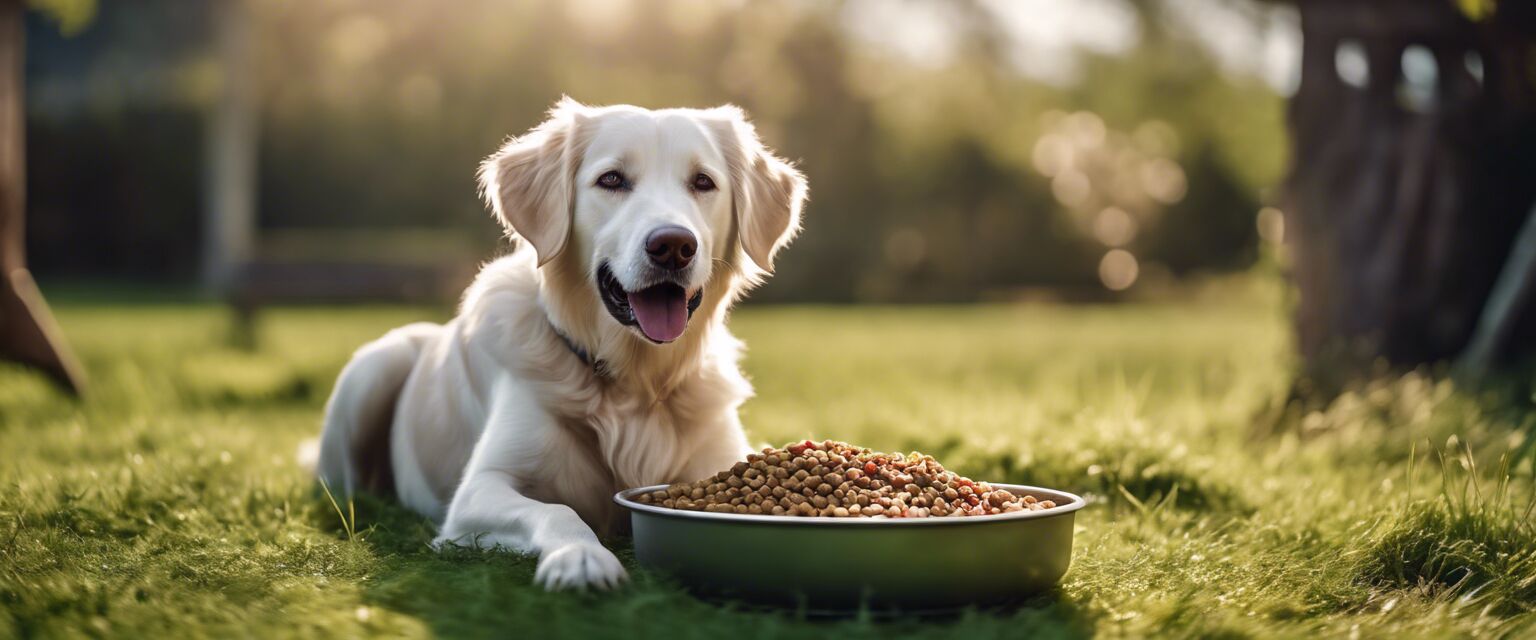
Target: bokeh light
[1118, 270]
[1164, 180]
[1053, 153]
[1112, 184]
[1114, 227]
[1071, 188]
[1420, 78]
[1351, 63]
[1271, 225]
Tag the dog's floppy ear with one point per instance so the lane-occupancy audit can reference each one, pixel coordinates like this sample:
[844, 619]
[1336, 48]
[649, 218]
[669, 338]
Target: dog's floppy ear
[768, 192]
[529, 182]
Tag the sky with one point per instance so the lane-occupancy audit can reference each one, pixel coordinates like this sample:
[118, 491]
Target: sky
[1049, 35]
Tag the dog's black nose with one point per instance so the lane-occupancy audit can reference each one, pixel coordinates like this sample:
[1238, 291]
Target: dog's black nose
[671, 247]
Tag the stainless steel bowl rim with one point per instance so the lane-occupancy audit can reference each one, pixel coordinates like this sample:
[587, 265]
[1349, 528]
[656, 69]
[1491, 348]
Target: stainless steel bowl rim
[623, 499]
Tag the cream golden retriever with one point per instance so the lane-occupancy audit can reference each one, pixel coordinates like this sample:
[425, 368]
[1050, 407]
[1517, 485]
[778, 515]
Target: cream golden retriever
[594, 357]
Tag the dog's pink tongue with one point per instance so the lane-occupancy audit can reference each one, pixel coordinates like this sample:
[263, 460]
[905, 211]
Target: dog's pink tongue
[662, 311]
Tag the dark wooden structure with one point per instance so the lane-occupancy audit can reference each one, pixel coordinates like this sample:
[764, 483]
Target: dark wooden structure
[1407, 190]
[27, 332]
[262, 282]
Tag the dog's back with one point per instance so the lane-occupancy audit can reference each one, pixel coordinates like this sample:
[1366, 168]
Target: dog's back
[354, 445]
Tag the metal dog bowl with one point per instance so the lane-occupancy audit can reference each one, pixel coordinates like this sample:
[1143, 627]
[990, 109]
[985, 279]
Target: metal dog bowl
[841, 564]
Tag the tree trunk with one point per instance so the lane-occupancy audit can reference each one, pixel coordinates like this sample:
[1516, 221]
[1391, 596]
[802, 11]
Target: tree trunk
[27, 331]
[1404, 197]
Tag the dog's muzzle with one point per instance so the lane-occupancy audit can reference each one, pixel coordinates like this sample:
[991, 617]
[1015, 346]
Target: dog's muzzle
[660, 311]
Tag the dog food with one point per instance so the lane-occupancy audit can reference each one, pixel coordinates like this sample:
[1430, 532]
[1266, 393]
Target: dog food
[837, 480]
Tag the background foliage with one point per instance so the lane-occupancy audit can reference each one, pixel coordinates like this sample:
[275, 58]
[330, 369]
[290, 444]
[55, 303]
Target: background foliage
[925, 167]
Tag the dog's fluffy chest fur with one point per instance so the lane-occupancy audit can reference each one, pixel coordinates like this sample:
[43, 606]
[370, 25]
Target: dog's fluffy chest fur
[598, 429]
[626, 440]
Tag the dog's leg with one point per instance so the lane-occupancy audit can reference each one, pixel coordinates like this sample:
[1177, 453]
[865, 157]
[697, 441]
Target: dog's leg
[726, 445]
[487, 511]
[354, 443]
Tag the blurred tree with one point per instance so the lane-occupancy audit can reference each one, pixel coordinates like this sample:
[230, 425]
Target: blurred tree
[1414, 135]
[72, 16]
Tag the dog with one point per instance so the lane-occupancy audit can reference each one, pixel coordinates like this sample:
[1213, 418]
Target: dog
[592, 358]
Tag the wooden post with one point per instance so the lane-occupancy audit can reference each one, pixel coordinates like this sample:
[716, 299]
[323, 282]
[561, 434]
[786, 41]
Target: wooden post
[28, 334]
[229, 190]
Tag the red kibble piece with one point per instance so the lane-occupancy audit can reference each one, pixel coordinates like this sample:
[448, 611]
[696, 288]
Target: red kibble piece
[871, 468]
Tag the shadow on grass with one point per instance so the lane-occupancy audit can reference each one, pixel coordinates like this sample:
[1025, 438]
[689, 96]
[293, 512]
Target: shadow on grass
[1113, 471]
[463, 592]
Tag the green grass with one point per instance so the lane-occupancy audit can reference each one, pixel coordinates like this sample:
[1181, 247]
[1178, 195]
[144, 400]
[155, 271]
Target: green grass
[169, 503]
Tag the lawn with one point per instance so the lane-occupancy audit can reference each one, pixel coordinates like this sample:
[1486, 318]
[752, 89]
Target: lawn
[169, 503]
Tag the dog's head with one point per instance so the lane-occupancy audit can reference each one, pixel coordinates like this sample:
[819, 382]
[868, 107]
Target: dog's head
[649, 206]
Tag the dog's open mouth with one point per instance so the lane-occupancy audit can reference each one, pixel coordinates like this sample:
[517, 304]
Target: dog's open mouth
[660, 311]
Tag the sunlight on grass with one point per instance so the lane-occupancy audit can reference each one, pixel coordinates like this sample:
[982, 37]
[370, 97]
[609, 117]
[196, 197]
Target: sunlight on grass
[171, 500]
[348, 517]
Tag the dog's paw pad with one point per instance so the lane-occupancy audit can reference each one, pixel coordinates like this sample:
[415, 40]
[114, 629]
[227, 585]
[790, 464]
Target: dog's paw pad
[579, 566]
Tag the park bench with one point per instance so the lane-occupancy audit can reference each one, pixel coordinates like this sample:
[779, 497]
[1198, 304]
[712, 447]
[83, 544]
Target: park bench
[413, 266]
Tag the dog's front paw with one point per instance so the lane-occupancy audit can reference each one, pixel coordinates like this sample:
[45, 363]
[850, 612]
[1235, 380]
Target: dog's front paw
[444, 543]
[577, 566]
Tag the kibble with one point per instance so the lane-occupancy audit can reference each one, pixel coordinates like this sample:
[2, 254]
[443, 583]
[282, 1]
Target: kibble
[837, 480]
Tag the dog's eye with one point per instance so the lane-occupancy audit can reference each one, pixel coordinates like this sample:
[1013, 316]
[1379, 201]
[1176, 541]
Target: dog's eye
[612, 180]
[702, 182]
